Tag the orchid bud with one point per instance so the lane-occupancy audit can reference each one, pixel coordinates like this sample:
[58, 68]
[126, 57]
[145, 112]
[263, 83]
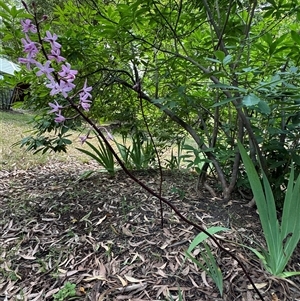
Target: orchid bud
[110, 136]
[25, 5]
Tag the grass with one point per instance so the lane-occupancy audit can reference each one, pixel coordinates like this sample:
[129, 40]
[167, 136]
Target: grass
[14, 127]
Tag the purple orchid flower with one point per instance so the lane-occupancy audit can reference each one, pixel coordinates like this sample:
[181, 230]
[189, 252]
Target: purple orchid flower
[67, 73]
[29, 47]
[86, 90]
[59, 118]
[45, 69]
[28, 61]
[52, 40]
[85, 105]
[27, 26]
[83, 138]
[56, 107]
[84, 101]
[62, 87]
[55, 55]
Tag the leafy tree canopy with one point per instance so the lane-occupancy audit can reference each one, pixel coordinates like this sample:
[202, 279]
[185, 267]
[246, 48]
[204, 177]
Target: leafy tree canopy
[221, 70]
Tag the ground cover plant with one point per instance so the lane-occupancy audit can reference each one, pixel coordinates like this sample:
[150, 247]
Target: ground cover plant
[72, 103]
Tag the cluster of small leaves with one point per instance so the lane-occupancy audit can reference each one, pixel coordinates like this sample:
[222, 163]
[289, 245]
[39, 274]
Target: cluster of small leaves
[67, 291]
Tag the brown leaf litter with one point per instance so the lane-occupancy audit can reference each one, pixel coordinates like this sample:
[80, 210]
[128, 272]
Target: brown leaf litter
[103, 234]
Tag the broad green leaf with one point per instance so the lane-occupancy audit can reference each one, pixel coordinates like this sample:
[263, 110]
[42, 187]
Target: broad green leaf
[227, 59]
[262, 48]
[264, 107]
[5, 16]
[250, 100]
[268, 38]
[273, 3]
[296, 158]
[220, 55]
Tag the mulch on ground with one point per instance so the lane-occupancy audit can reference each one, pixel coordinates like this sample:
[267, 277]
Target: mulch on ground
[104, 234]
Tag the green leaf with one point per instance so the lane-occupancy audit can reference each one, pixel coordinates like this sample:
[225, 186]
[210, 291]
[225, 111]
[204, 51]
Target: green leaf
[190, 147]
[290, 225]
[289, 274]
[295, 36]
[14, 12]
[227, 59]
[4, 6]
[268, 38]
[262, 48]
[273, 3]
[264, 107]
[210, 266]
[225, 101]
[86, 174]
[202, 236]
[228, 87]
[213, 60]
[250, 100]
[296, 158]
[220, 55]
[5, 16]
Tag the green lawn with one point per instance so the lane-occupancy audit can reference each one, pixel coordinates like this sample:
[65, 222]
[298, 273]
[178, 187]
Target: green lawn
[13, 128]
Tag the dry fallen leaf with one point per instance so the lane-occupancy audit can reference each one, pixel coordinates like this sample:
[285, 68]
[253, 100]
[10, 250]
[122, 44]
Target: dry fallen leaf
[258, 285]
[100, 220]
[274, 297]
[133, 280]
[124, 282]
[249, 296]
[127, 232]
[88, 279]
[203, 276]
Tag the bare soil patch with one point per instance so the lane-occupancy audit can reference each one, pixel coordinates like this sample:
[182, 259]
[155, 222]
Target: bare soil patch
[104, 235]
